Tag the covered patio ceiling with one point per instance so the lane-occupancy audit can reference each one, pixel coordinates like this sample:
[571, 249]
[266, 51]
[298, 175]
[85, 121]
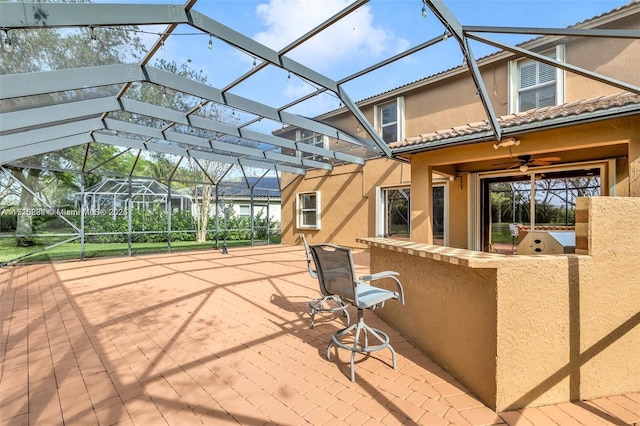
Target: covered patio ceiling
[98, 102]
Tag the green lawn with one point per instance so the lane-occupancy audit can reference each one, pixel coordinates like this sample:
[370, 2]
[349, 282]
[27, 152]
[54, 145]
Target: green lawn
[500, 233]
[71, 250]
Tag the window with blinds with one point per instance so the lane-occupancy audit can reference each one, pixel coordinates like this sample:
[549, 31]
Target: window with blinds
[536, 84]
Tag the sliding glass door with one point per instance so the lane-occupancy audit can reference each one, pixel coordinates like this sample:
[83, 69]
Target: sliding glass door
[512, 205]
[397, 213]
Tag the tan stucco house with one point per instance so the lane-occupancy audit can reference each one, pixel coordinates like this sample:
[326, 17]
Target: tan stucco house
[516, 330]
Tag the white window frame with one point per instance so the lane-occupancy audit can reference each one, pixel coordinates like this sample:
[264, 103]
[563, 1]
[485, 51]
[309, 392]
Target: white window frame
[400, 109]
[445, 185]
[381, 208]
[244, 210]
[324, 143]
[557, 53]
[300, 211]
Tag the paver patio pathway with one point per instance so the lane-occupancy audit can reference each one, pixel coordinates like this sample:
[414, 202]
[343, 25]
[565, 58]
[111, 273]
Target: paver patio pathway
[205, 338]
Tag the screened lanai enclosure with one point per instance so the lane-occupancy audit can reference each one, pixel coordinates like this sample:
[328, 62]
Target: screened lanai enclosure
[112, 196]
[191, 98]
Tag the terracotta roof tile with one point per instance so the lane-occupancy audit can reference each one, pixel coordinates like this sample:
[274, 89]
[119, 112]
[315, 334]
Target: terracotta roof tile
[538, 115]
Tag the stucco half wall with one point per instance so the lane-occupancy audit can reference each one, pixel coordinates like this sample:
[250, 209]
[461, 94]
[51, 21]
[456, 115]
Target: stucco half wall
[528, 330]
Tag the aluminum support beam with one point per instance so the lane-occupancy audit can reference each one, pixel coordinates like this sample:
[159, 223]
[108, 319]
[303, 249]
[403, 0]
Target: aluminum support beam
[24, 139]
[564, 32]
[450, 22]
[182, 152]
[75, 111]
[9, 155]
[364, 123]
[16, 85]
[61, 15]
[54, 15]
[36, 83]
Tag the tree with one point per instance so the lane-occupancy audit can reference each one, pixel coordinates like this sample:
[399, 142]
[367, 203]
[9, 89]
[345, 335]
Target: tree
[501, 202]
[202, 193]
[205, 174]
[52, 49]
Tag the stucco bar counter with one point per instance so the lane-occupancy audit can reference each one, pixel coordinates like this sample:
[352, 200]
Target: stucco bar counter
[528, 330]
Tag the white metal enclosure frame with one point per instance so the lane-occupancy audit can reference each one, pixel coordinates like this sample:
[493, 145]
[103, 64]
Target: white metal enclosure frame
[29, 132]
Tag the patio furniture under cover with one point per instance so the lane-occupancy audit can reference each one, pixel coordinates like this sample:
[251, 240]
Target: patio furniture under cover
[321, 304]
[336, 272]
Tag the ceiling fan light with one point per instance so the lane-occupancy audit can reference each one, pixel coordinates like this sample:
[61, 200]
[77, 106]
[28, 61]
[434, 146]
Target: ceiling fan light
[524, 168]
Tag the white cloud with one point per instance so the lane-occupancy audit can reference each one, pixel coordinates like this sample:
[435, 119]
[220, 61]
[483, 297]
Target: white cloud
[355, 38]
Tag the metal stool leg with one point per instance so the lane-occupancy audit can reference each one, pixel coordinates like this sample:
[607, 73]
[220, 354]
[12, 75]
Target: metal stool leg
[318, 305]
[359, 327]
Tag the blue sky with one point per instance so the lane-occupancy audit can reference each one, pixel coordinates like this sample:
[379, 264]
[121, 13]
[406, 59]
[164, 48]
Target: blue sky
[378, 30]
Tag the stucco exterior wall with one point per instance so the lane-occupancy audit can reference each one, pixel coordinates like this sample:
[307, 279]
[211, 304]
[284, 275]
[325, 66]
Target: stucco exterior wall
[534, 327]
[348, 196]
[528, 330]
[457, 211]
[608, 310]
[616, 58]
[450, 314]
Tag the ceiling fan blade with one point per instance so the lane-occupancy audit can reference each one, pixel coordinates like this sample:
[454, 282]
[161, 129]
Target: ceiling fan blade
[527, 160]
[505, 163]
[547, 159]
[540, 163]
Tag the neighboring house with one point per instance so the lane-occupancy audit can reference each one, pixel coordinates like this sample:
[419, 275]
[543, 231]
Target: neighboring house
[564, 135]
[112, 196]
[262, 193]
[242, 193]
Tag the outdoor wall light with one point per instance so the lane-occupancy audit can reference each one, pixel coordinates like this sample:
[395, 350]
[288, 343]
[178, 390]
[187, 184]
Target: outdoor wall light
[506, 142]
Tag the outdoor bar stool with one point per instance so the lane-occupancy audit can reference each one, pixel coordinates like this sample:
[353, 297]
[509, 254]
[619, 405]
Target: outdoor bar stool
[321, 304]
[336, 271]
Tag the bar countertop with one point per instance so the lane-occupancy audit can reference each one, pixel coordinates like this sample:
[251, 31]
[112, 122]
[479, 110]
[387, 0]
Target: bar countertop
[452, 255]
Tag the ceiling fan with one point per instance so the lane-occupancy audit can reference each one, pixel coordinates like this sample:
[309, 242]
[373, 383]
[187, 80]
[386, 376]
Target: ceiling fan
[523, 162]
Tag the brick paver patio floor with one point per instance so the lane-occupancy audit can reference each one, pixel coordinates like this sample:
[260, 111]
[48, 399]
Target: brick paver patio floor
[201, 337]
